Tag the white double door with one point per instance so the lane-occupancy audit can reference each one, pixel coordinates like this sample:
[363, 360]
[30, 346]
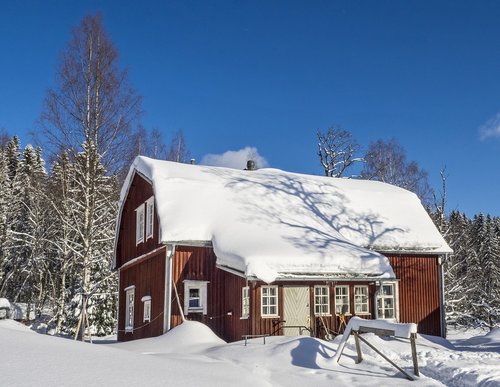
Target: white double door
[297, 310]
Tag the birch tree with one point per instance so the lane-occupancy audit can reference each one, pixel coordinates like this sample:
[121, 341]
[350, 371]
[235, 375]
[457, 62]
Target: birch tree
[337, 151]
[5, 189]
[178, 150]
[91, 115]
[93, 103]
[386, 161]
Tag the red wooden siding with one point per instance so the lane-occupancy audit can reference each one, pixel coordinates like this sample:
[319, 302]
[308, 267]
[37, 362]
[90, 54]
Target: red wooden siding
[418, 291]
[148, 277]
[140, 191]
[223, 292]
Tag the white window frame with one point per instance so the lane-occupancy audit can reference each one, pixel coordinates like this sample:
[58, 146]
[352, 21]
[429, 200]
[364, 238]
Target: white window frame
[358, 300]
[129, 308]
[139, 224]
[381, 297]
[266, 307]
[319, 300]
[339, 300]
[150, 217]
[245, 302]
[146, 308]
[202, 291]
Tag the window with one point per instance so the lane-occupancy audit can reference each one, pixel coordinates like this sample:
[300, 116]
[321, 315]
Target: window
[269, 306]
[147, 308]
[361, 300]
[321, 300]
[342, 300]
[150, 216]
[386, 301]
[195, 296]
[139, 224]
[129, 308]
[245, 302]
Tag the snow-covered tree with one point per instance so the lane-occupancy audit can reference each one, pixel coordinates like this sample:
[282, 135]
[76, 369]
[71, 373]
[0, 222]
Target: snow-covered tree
[337, 151]
[5, 195]
[457, 301]
[25, 261]
[90, 114]
[64, 239]
[95, 213]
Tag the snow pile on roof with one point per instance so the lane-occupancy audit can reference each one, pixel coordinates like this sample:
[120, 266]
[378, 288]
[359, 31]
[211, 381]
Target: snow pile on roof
[268, 222]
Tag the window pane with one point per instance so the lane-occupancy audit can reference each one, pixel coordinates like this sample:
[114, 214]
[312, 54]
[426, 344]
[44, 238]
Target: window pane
[194, 298]
[387, 290]
[269, 300]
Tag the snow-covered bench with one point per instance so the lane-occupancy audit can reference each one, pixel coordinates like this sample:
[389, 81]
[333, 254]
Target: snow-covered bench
[357, 325]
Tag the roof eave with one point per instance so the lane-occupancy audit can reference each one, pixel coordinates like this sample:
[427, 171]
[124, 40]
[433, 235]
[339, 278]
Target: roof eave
[419, 251]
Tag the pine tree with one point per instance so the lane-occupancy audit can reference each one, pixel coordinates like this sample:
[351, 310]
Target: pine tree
[489, 253]
[25, 261]
[455, 269]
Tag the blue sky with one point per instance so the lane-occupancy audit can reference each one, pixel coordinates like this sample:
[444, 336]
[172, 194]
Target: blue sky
[268, 74]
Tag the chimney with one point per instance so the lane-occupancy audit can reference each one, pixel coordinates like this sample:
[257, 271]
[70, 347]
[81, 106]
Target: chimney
[192, 161]
[251, 166]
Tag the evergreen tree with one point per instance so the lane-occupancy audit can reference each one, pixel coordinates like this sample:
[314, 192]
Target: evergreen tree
[455, 269]
[25, 261]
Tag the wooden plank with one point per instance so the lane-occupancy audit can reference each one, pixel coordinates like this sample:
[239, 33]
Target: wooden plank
[358, 347]
[408, 376]
[377, 331]
[414, 353]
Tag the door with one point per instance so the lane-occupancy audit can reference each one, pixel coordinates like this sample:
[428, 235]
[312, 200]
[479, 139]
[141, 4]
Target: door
[297, 312]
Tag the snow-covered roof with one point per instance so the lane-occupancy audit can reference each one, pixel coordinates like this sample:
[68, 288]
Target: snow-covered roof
[268, 222]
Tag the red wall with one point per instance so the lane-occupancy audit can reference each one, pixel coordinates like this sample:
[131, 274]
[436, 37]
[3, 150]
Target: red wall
[148, 276]
[140, 191]
[223, 292]
[418, 291]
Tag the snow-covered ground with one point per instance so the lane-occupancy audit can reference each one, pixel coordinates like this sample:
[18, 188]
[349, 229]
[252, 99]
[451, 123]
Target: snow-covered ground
[191, 355]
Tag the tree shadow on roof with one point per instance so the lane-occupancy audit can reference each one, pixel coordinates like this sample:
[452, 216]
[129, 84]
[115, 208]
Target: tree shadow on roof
[292, 198]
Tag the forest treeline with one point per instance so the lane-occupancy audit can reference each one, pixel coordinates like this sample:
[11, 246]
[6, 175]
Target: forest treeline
[57, 218]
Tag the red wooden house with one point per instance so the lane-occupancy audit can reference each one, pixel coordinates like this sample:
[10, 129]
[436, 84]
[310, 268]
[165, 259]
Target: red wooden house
[252, 252]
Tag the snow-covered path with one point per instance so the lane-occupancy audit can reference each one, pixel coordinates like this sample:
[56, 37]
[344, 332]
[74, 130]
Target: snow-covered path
[192, 355]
